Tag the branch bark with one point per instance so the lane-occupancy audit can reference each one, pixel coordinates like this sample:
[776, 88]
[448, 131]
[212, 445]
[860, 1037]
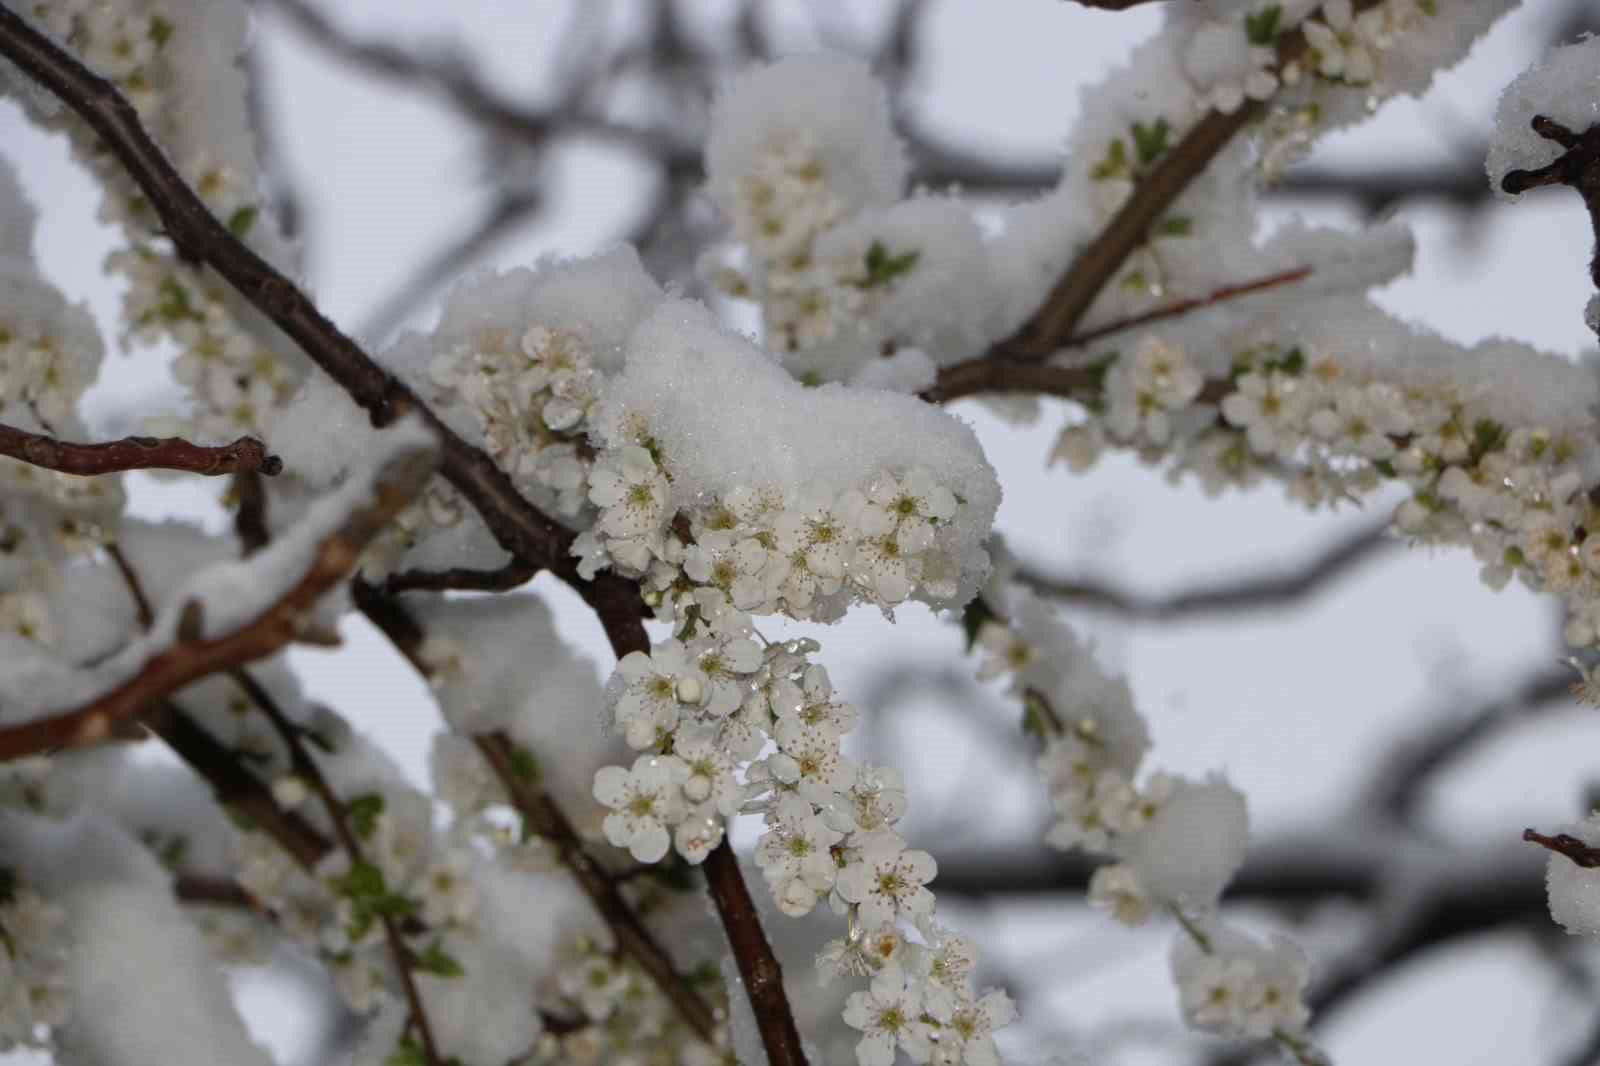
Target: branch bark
[247, 454]
[191, 656]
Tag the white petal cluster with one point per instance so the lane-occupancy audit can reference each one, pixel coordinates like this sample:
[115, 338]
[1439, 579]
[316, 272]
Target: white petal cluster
[727, 724]
[179, 62]
[785, 498]
[33, 971]
[1231, 984]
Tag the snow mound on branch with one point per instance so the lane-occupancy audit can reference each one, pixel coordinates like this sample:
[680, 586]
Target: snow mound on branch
[1194, 845]
[725, 415]
[1565, 87]
[1573, 890]
[834, 101]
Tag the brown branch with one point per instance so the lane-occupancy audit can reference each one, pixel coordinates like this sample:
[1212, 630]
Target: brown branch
[200, 237]
[250, 518]
[1075, 292]
[214, 891]
[512, 575]
[306, 767]
[1192, 303]
[548, 821]
[1581, 853]
[1577, 168]
[236, 788]
[763, 977]
[191, 656]
[137, 453]
[1270, 590]
[996, 372]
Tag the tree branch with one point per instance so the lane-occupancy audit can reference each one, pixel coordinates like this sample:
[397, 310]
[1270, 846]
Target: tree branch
[548, 821]
[512, 575]
[1577, 168]
[247, 454]
[1269, 590]
[191, 656]
[996, 372]
[306, 767]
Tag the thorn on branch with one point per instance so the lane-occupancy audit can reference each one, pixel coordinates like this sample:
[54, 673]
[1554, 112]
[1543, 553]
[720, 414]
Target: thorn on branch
[1580, 853]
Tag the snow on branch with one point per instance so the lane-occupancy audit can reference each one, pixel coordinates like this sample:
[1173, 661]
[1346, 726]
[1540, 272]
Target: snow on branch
[245, 455]
[225, 616]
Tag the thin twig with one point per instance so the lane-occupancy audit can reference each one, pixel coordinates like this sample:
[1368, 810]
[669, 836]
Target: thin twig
[191, 655]
[998, 373]
[137, 453]
[1193, 303]
[546, 819]
[1577, 168]
[1580, 852]
[250, 517]
[1254, 593]
[512, 575]
[306, 767]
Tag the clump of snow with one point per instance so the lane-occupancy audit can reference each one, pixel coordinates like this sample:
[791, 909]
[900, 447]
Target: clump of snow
[723, 416]
[833, 102]
[128, 934]
[1565, 88]
[1573, 890]
[500, 665]
[1193, 845]
[940, 303]
[16, 216]
[320, 432]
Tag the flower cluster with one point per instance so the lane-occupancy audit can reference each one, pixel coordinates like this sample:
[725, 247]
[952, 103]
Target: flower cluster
[1503, 474]
[177, 64]
[806, 552]
[532, 396]
[705, 706]
[1176, 843]
[33, 964]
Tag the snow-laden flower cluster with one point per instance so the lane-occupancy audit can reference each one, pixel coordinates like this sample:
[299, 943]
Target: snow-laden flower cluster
[179, 63]
[33, 978]
[50, 352]
[803, 161]
[1506, 471]
[780, 497]
[1176, 842]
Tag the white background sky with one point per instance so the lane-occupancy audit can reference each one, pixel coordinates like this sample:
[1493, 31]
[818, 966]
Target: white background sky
[1295, 706]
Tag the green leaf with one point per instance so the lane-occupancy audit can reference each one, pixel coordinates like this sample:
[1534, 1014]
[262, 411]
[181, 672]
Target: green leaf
[240, 221]
[1385, 467]
[972, 620]
[1150, 141]
[1263, 27]
[160, 31]
[1487, 436]
[174, 305]
[407, 1053]
[1175, 226]
[437, 962]
[364, 811]
[883, 267]
[1114, 165]
[524, 764]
